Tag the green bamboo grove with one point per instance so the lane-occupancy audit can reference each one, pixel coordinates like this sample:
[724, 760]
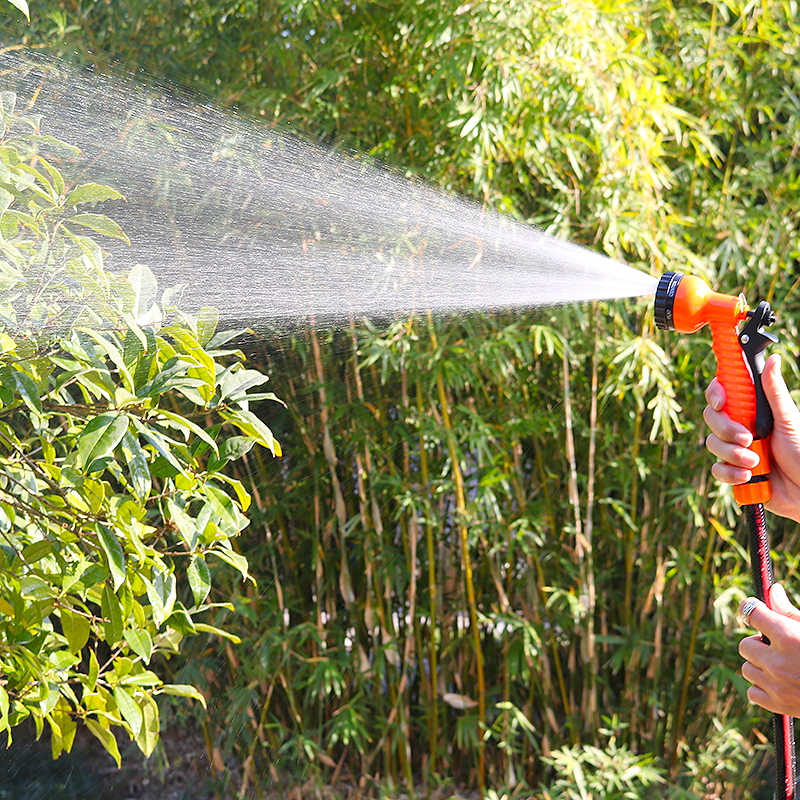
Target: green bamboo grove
[493, 562]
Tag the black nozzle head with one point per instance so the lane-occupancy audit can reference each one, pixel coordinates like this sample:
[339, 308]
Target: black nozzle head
[665, 300]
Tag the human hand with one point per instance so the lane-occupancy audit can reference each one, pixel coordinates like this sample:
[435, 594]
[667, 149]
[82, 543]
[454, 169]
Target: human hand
[773, 669]
[729, 441]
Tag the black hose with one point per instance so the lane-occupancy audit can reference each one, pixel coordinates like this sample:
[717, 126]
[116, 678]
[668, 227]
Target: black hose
[782, 725]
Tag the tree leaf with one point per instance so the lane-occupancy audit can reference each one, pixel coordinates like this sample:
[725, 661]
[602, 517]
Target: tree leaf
[28, 391]
[138, 467]
[237, 561]
[201, 626]
[76, 628]
[141, 643]
[207, 321]
[231, 449]
[100, 436]
[111, 610]
[234, 384]
[130, 710]
[148, 735]
[199, 579]
[106, 738]
[160, 443]
[22, 5]
[4, 708]
[145, 287]
[36, 551]
[114, 353]
[93, 672]
[91, 193]
[250, 424]
[100, 223]
[187, 527]
[115, 554]
[187, 427]
[56, 740]
[182, 690]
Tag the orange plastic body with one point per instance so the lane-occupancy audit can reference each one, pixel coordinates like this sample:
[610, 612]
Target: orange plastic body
[697, 305]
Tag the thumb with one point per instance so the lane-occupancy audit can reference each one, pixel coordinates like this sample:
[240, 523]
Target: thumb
[779, 602]
[783, 407]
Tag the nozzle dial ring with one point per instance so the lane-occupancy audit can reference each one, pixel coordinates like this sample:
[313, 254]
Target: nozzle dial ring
[665, 300]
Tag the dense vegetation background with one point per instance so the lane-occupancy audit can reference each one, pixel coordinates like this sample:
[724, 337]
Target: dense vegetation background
[492, 554]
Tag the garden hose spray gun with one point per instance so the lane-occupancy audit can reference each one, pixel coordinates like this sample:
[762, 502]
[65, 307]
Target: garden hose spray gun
[686, 304]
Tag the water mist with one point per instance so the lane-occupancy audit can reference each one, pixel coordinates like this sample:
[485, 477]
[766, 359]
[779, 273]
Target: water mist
[268, 228]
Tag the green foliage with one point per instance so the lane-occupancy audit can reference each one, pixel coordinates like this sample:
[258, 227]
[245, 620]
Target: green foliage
[612, 772]
[114, 502]
[22, 6]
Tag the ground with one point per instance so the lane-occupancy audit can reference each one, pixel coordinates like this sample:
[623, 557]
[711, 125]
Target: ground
[180, 770]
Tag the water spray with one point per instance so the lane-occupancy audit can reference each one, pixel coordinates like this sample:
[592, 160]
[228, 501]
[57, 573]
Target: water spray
[686, 304]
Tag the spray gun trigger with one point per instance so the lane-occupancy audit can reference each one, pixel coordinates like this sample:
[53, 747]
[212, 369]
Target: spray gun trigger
[754, 340]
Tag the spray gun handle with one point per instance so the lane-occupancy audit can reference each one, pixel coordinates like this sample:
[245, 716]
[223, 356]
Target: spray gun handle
[740, 362]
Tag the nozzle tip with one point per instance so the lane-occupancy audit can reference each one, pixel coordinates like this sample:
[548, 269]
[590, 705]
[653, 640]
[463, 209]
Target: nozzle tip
[665, 300]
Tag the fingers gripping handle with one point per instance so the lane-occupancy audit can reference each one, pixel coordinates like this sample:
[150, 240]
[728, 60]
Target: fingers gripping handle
[740, 362]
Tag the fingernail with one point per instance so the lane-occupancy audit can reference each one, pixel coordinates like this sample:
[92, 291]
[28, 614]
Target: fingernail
[716, 399]
[750, 459]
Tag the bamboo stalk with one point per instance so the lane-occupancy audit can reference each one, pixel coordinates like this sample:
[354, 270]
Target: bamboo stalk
[433, 612]
[466, 565]
[686, 678]
[590, 706]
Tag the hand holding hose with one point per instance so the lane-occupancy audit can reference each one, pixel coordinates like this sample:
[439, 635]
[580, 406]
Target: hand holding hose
[742, 420]
[729, 441]
[772, 668]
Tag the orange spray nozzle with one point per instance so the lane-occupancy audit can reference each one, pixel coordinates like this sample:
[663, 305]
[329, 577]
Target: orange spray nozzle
[685, 304]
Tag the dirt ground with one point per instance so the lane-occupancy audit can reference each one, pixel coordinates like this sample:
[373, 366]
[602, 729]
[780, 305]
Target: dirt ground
[181, 770]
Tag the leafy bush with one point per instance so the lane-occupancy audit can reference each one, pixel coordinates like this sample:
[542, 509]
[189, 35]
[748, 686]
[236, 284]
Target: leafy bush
[116, 413]
[610, 772]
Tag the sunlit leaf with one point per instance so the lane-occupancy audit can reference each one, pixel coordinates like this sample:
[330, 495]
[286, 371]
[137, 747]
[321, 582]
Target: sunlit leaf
[91, 193]
[76, 628]
[100, 436]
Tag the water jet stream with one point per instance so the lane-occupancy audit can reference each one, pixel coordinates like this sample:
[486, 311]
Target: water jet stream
[268, 228]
